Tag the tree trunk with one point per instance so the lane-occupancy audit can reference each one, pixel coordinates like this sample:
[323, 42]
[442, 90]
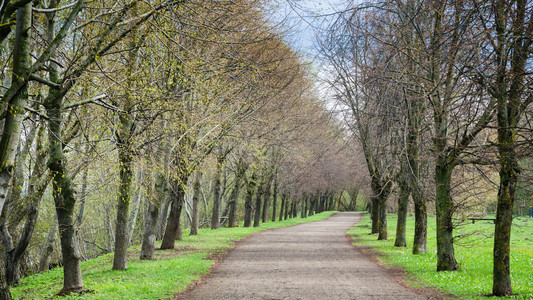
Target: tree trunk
[44, 260]
[179, 233]
[215, 216]
[257, 212]
[196, 204]
[81, 210]
[14, 207]
[110, 239]
[311, 205]
[151, 217]
[403, 201]
[248, 200]
[504, 218]
[163, 215]
[374, 213]
[37, 185]
[4, 289]
[321, 201]
[304, 206]
[331, 202]
[12, 267]
[124, 132]
[120, 258]
[64, 201]
[353, 200]
[421, 219]
[172, 230]
[286, 215]
[137, 200]
[232, 219]
[376, 188]
[63, 193]
[382, 232]
[414, 116]
[275, 196]
[148, 244]
[14, 256]
[266, 201]
[282, 207]
[445, 250]
[14, 112]
[444, 161]
[514, 47]
[291, 209]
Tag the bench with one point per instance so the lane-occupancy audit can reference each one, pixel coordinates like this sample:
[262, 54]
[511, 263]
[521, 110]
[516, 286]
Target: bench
[482, 219]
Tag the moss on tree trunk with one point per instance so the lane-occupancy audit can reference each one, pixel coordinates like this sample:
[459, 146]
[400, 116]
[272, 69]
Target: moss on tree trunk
[403, 200]
[444, 206]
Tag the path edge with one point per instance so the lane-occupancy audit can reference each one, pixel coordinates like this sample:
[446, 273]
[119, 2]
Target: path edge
[398, 274]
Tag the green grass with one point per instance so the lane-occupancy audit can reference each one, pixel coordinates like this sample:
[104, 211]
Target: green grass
[170, 273]
[473, 251]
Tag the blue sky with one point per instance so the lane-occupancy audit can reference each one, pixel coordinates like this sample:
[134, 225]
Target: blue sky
[300, 20]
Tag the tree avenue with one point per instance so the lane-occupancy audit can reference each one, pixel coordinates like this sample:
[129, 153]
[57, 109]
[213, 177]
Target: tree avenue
[438, 94]
[130, 122]
[138, 122]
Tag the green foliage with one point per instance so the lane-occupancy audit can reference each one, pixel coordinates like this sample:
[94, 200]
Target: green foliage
[473, 251]
[161, 278]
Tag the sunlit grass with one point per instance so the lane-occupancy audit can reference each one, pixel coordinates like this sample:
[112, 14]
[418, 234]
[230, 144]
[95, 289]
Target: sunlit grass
[156, 279]
[473, 252]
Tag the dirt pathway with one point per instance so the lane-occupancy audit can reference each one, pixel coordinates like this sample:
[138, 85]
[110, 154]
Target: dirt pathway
[306, 261]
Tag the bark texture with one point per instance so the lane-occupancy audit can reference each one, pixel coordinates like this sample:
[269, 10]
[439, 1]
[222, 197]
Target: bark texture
[232, 218]
[420, 237]
[267, 192]
[275, 196]
[248, 207]
[445, 250]
[63, 191]
[174, 218]
[44, 260]
[514, 32]
[257, 207]
[195, 205]
[215, 216]
[13, 254]
[120, 258]
[382, 235]
[403, 201]
[14, 112]
[282, 207]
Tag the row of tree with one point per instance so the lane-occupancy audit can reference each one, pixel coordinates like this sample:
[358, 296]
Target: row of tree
[435, 90]
[125, 121]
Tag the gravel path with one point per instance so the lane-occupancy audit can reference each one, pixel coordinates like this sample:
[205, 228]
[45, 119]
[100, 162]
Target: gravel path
[306, 261]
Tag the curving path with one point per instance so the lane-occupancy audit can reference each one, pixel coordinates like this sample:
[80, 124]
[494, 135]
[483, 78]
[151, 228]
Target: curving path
[306, 261]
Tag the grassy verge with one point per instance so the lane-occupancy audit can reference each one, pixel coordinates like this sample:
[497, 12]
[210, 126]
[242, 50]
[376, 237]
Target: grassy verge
[473, 251]
[171, 272]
